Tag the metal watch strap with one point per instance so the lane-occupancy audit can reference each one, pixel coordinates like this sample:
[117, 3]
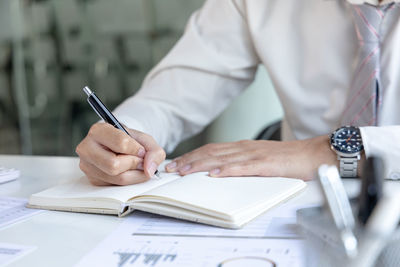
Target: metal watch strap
[348, 166]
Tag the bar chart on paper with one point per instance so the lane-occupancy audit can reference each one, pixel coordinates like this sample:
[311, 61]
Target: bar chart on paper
[135, 243]
[144, 257]
[150, 259]
[201, 251]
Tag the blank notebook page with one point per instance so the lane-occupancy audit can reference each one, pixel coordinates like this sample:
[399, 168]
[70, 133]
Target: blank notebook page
[228, 195]
[81, 188]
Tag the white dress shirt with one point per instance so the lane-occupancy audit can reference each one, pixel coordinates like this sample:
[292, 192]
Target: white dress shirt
[307, 46]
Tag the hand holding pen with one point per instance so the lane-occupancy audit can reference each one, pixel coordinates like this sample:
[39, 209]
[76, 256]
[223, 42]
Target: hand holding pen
[113, 155]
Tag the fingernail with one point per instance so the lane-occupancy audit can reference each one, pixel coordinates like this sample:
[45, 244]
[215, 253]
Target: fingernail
[141, 152]
[215, 171]
[186, 168]
[171, 166]
[140, 166]
[152, 168]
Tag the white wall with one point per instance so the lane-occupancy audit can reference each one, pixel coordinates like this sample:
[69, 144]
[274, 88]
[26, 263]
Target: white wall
[257, 107]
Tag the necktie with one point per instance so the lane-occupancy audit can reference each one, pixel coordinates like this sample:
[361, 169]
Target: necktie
[366, 93]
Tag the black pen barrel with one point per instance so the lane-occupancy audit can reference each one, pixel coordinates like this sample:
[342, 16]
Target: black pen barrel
[104, 113]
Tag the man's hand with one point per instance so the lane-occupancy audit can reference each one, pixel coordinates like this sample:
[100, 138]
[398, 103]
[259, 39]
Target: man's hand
[108, 156]
[298, 159]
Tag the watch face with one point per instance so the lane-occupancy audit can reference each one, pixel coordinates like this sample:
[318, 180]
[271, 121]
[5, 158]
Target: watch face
[347, 140]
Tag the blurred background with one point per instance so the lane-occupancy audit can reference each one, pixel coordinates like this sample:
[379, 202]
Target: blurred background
[50, 49]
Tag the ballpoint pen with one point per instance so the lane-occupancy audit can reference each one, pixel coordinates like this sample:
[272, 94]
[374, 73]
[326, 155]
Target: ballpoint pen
[104, 113]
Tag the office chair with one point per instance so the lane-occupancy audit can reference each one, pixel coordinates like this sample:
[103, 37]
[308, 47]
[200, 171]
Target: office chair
[271, 132]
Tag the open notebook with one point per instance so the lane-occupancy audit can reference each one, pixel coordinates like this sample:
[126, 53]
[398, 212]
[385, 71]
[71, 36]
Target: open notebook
[224, 202]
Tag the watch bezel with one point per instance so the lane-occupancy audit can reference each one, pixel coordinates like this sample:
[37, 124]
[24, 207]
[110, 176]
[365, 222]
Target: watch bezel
[340, 153]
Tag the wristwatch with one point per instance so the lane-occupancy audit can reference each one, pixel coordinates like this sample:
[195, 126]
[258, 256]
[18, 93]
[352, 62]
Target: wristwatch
[347, 143]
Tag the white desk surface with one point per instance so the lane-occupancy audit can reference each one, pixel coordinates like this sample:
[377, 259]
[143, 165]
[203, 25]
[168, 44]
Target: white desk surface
[62, 238]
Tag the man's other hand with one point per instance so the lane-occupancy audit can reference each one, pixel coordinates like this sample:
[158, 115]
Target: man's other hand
[297, 159]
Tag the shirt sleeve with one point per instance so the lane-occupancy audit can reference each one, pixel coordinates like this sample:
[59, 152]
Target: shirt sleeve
[209, 66]
[384, 142]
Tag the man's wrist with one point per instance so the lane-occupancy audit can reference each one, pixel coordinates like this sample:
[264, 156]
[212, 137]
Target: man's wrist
[321, 153]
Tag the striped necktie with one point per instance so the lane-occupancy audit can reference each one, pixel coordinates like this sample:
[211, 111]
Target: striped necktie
[366, 93]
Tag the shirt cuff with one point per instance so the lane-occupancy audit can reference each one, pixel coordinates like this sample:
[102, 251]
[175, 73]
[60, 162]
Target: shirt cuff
[383, 142]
